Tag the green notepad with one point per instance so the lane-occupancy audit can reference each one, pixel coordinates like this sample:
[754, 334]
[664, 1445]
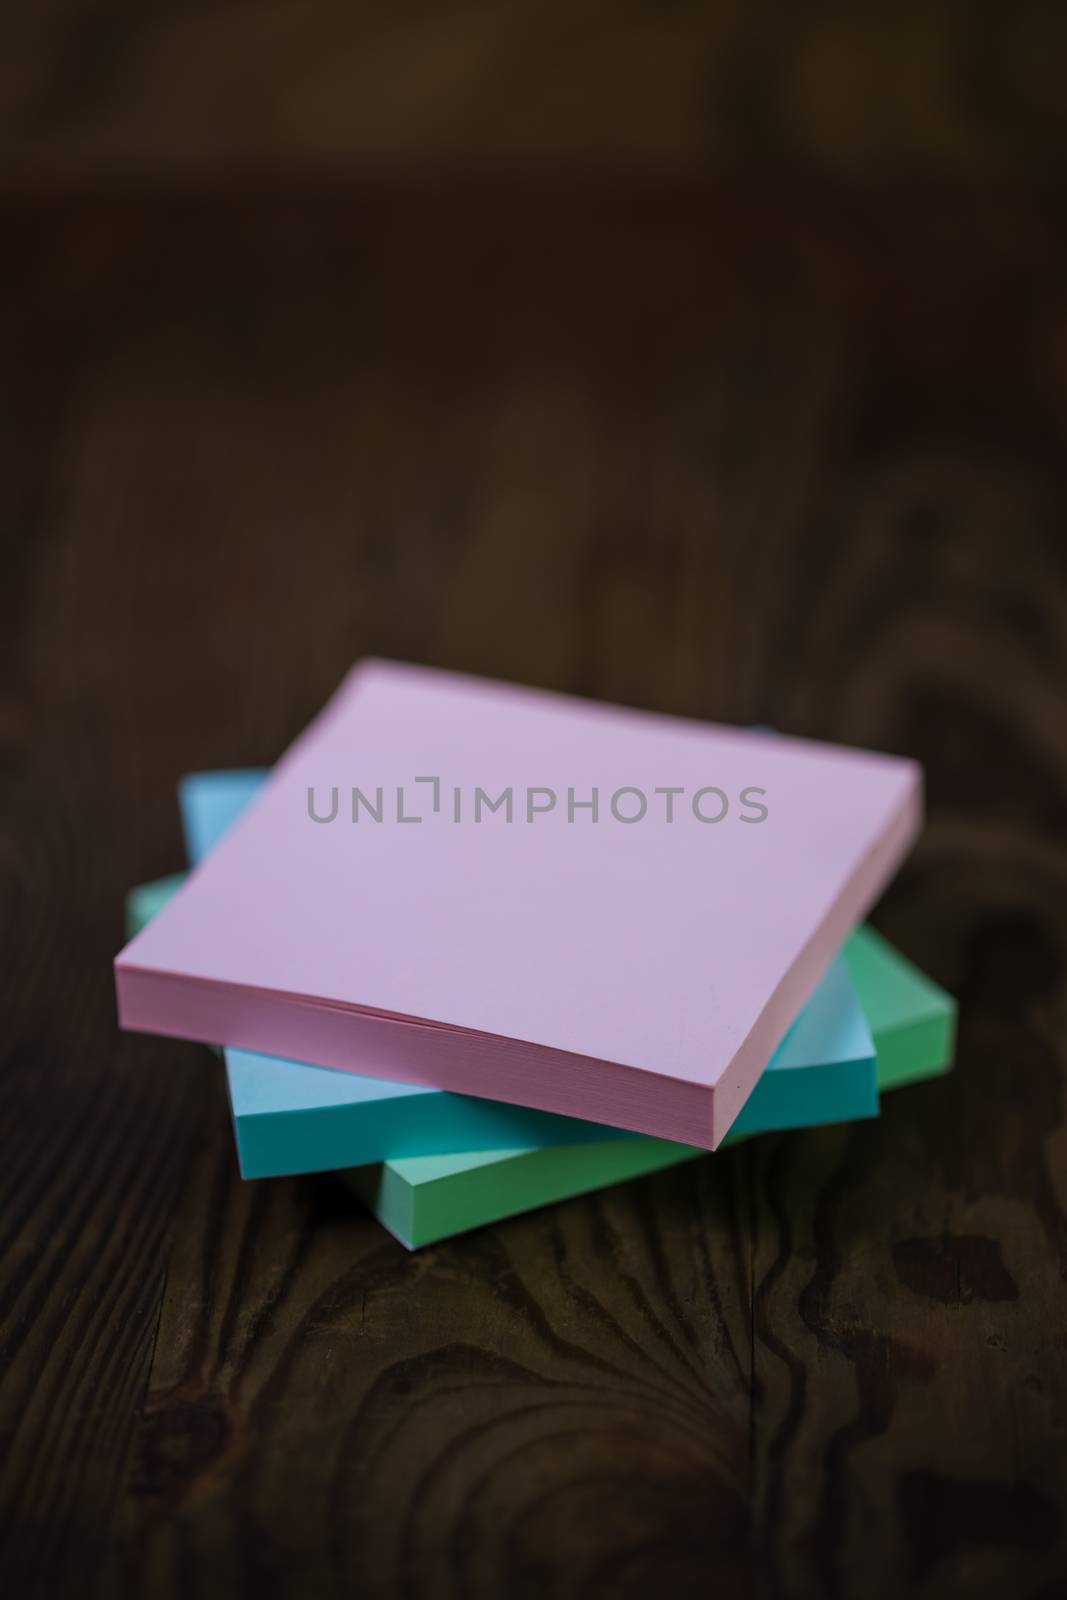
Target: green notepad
[913, 1021]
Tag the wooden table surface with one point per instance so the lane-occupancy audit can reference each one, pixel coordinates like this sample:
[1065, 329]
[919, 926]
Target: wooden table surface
[775, 451]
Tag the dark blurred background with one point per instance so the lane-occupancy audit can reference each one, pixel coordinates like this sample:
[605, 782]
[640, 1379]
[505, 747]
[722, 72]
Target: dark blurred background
[699, 355]
[707, 357]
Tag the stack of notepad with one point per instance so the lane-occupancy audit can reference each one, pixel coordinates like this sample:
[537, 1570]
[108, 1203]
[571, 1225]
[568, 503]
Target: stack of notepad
[479, 948]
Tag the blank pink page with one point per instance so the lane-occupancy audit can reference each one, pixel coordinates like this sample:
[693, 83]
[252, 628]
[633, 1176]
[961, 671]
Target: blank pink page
[637, 973]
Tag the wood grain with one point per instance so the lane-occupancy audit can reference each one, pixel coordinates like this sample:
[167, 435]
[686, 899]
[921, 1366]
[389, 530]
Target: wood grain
[782, 458]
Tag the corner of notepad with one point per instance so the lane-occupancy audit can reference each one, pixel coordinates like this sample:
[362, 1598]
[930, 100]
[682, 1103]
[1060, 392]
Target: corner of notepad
[361, 676]
[147, 935]
[906, 803]
[915, 793]
[370, 671]
[132, 961]
[720, 1127]
[727, 1102]
[368, 668]
[122, 969]
[127, 956]
[915, 774]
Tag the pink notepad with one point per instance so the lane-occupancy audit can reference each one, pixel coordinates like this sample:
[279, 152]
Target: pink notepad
[636, 964]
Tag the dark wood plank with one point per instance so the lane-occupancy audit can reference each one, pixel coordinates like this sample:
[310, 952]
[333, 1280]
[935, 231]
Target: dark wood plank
[910, 1275]
[886, 90]
[448, 1422]
[790, 460]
